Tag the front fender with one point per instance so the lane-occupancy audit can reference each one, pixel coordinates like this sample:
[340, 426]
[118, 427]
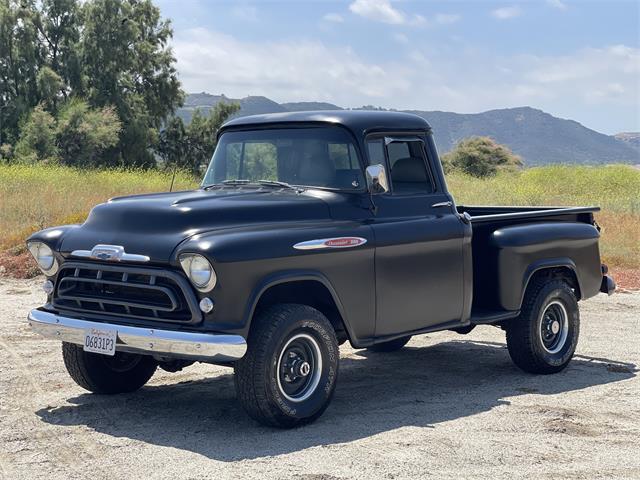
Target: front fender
[293, 276]
[52, 236]
[249, 260]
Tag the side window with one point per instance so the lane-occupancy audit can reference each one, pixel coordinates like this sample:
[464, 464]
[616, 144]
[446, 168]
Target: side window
[408, 170]
[375, 148]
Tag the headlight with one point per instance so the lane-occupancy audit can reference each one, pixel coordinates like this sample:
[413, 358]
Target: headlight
[199, 271]
[44, 257]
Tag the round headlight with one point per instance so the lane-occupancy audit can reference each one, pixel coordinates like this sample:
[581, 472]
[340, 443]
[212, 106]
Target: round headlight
[44, 257]
[199, 271]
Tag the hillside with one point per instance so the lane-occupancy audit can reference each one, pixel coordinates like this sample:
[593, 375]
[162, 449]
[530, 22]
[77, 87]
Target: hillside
[538, 137]
[630, 138]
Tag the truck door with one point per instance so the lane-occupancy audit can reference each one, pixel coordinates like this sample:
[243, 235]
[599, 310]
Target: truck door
[419, 241]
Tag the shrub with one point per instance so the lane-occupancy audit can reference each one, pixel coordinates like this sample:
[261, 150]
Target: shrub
[37, 136]
[481, 157]
[83, 134]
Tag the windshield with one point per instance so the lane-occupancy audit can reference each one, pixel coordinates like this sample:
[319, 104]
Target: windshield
[322, 157]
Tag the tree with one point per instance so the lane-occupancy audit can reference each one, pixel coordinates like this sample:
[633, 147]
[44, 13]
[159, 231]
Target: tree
[190, 147]
[20, 57]
[82, 133]
[127, 63]
[481, 157]
[49, 86]
[109, 52]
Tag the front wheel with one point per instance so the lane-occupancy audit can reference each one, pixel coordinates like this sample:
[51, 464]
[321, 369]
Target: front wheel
[289, 373]
[120, 373]
[544, 337]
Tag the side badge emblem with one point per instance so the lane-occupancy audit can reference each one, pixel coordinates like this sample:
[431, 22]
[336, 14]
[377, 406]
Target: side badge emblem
[337, 242]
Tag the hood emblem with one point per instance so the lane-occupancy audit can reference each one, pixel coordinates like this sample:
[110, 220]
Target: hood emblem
[337, 242]
[110, 253]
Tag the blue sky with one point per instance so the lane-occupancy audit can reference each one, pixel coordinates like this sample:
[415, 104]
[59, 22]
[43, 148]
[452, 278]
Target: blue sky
[574, 59]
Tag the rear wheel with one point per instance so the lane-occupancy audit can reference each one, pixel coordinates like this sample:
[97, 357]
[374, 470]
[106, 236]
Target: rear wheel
[390, 346]
[544, 337]
[121, 373]
[289, 373]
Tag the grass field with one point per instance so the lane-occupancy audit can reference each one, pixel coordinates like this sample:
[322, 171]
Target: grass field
[34, 197]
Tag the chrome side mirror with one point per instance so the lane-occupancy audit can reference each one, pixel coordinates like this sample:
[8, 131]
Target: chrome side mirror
[377, 179]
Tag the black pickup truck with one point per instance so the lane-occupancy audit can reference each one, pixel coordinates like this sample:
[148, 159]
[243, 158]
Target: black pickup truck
[309, 230]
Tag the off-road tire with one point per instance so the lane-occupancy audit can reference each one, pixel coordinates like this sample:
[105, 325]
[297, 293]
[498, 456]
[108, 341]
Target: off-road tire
[524, 340]
[257, 378]
[92, 371]
[390, 346]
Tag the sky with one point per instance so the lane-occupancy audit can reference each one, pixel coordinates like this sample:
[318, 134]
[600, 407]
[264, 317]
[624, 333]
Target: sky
[578, 60]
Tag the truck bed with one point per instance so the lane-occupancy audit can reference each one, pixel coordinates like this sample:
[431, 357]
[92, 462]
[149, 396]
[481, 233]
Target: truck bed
[507, 240]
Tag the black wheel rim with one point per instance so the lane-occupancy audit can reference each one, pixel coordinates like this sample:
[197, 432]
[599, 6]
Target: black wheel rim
[299, 367]
[122, 361]
[554, 327]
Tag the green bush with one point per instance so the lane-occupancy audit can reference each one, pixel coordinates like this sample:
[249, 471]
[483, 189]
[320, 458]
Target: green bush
[38, 136]
[83, 134]
[481, 157]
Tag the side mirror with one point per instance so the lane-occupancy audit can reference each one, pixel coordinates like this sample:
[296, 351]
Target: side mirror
[377, 179]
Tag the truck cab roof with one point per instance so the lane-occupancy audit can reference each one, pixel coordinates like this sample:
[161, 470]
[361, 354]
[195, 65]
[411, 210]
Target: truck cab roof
[358, 121]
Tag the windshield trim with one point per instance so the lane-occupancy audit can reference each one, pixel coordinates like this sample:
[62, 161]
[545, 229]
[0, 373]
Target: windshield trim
[290, 126]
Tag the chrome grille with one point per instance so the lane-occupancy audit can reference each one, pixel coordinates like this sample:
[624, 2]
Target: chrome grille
[122, 291]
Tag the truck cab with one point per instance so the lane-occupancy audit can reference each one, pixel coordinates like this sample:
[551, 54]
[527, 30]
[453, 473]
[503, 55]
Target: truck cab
[309, 229]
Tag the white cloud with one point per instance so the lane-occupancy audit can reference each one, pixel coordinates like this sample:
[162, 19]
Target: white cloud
[378, 10]
[581, 85]
[505, 13]
[333, 17]
[446, 18]
[559, 4]
[383, 11]
[215, 62]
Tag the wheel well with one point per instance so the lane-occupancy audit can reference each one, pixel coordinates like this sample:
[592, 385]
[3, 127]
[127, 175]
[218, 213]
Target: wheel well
[306, 292]
[558, 273]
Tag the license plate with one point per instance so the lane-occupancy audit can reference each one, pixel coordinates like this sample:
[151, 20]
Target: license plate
[100, 340]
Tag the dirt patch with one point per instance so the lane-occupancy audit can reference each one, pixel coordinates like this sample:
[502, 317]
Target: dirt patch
[17, 262]
[627, 279]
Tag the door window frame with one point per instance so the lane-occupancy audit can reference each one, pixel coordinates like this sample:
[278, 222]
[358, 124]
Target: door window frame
[426, 158]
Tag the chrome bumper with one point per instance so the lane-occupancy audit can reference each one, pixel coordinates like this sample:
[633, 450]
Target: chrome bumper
[166, 343]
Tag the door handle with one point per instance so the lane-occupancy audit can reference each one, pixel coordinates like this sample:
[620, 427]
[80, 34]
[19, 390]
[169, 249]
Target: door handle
[442, 204]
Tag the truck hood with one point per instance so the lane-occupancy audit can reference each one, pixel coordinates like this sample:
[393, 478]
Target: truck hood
[155, 224]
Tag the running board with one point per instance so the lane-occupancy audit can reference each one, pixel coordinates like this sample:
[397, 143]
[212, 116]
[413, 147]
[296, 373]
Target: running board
[485, 317]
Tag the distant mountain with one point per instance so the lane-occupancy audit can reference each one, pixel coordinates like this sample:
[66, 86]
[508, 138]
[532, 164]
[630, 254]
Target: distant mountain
[538, 137]
[630, 138]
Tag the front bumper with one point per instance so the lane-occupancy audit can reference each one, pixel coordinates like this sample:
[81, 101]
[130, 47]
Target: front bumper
[204, 347]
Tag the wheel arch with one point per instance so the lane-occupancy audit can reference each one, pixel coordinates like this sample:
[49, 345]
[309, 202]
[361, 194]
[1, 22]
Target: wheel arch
[553, 268]
[304, 287]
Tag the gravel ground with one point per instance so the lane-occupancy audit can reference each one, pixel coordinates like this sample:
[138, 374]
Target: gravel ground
[447, 406]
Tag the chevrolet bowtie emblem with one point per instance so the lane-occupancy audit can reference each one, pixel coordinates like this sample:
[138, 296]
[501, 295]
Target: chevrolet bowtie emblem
[110, 253]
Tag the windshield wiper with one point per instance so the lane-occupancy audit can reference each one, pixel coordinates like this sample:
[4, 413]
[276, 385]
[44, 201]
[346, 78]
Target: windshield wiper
[277, 183]
[262, 182]
[236, 182]
[227, 182]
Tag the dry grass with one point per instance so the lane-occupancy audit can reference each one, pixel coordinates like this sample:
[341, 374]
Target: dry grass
[34, 197]
[615, 188]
